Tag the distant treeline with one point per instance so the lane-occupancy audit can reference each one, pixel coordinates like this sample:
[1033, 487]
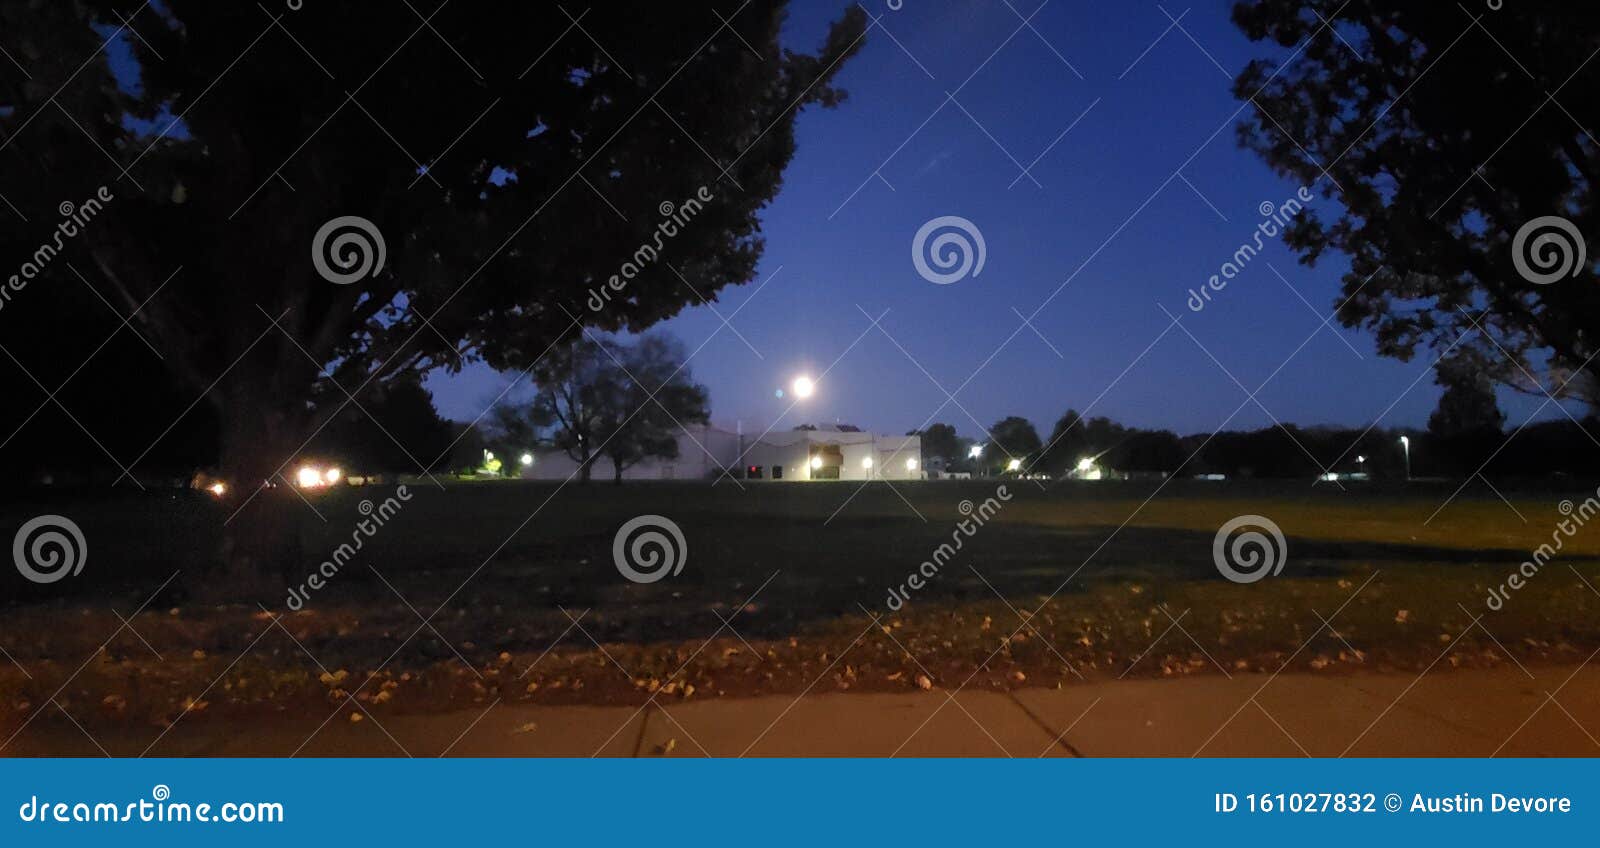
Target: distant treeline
[1538, 450]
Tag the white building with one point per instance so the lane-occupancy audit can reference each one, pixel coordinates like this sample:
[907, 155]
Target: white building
[830, 452]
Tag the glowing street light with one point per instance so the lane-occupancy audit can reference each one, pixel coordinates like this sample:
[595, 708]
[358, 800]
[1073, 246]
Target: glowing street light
[911, 464]
[866, 462]
[816, 462]
[804, 387]
[526, 459]
[1014, 465]
[308, 477]
[1405, 442]
[975, 452]
[218, 489]
[332, 476]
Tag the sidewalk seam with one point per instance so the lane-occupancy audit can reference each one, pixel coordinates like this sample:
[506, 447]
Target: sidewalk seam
[1060, 739]
[644, 725]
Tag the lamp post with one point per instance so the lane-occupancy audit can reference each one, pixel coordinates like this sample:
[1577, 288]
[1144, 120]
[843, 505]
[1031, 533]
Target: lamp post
[1405, 444]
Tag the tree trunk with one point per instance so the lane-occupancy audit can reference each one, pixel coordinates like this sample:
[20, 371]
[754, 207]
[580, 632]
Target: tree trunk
[261, 546]
[616, 477]
[586, 468]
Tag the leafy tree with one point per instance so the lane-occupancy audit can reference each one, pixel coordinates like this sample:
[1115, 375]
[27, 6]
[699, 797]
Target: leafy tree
[575, 405]
[1076, 437]
[940, 441]
[1148, 450]
[511, 167]
[1467, 423]
[396, 430]
[1012, 437]
[1066, 444]
[1443, 135]
[657, 400]
[599, 398]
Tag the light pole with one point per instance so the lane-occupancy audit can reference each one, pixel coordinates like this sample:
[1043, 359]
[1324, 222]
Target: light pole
[1405, 444]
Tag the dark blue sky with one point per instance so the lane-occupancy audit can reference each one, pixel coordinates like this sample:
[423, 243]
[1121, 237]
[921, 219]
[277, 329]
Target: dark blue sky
[1108, 218]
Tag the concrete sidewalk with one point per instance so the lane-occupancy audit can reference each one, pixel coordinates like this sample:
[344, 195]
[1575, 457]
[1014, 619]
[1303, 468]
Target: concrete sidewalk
[1505, 712]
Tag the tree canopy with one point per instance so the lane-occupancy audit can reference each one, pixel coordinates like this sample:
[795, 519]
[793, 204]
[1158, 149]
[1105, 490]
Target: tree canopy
[1014, 438]
[939, 441]
[1441, 132]
[505, 165]
[607, 399]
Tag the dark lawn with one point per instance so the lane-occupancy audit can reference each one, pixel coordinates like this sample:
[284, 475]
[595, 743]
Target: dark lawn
[521, 586]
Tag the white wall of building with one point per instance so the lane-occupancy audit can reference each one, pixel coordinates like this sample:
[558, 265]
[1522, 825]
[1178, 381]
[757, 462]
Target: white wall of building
[705, 450]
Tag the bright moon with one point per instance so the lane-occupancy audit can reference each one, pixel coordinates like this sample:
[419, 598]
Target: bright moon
[803, 387]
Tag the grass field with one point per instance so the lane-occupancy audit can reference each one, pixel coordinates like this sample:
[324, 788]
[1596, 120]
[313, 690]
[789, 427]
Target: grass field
[1067, 582]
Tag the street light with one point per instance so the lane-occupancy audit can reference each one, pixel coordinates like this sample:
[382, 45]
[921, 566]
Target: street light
[1405, 443]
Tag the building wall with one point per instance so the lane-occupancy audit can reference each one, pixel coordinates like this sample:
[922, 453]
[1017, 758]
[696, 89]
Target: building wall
[704, 451]
[701, 448]
[793, 451]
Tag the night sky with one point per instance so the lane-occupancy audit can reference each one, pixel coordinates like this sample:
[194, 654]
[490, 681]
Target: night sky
[1127, 217]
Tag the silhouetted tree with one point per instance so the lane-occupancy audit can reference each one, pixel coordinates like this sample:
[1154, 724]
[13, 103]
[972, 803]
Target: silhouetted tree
[657, 400]
[1467, 424]
[598, 397]
[475, 151]
[940, 441]
[1013, 438]
[396, 429]
[1429, 179]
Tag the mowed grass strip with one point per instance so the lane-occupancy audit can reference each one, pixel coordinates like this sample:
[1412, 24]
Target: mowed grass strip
[1079, 581]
